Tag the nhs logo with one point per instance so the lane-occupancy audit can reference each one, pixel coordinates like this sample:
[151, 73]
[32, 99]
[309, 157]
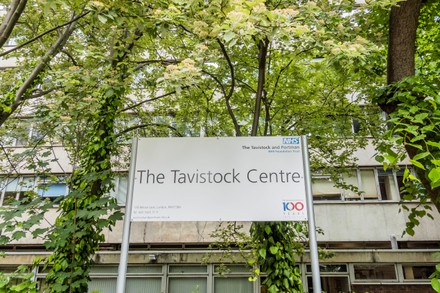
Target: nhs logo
[290, 140]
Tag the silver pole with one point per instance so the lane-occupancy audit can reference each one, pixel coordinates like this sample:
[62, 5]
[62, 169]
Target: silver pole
[314, 259]
[125, 243]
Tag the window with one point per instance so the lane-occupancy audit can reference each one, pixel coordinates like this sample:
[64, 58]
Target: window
[334, 278]
[351, 179]
[22, 133]
[16, 188]
[359, 184]
[387, 184]
[172, 278]
[236, 280]
[237, 285]
[120, 189]
[52, 188]
[417, 272]
[15, 276]
[329, 268]
[140, 279]
[187, 279]
[330, 284]
[324, 188]
[375, 272]
[368, 187]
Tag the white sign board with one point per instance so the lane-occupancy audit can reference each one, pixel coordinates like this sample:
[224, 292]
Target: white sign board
[226, 179]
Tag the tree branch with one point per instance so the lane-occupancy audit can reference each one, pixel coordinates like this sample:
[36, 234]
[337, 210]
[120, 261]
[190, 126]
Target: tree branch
[150, 100]
[262, 58]
[231, 89]
[73, 20]
[41, 93]
[53, 50]
[148, 62]
[148, 125]
[11, 18]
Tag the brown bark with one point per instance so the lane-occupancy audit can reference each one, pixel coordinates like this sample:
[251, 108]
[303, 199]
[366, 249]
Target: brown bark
[402, 40]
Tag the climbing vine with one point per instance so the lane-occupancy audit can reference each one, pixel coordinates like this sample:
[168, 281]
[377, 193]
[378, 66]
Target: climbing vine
[270, 248]
[88, 209]
[278, 244]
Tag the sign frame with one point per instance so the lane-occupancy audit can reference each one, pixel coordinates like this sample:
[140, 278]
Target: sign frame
[219, 179]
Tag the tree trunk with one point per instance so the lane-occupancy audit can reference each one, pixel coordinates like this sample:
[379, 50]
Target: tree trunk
[402, 40]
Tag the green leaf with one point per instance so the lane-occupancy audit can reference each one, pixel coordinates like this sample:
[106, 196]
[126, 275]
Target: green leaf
[409, 231]
[273, 249]
[267, 229]
[110, 92]
[391, 158]
[4, 281]
[379, 159]
[262, 253]
[417, 164]
[418, 137]
[434, 144]
[18, 235]
[420, 117]
[102, 18]
[421, 156]
[273, 289]
[435, 283]
[434, 176]
[229, 36]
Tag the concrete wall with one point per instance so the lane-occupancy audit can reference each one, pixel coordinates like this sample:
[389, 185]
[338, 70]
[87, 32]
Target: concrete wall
[370, 221]
[340, 221]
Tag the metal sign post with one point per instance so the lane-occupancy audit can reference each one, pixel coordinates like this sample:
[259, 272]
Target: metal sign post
[314, 259]
[122, 269]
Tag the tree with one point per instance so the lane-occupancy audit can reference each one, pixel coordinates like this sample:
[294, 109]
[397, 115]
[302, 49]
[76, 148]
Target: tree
[411, 100]
[254, 70]
[87, 210]
[31, 71]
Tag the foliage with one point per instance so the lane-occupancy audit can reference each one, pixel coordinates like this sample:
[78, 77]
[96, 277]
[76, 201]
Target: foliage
[19, 281]
[435, 279]
[270, 248]
[87, 210]
[230, 238]
[414, 124]
[277, 244]
[185, 67]
[23, 217]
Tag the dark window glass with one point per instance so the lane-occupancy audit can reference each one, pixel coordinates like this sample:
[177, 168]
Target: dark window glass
[416, 272]
[374, 272]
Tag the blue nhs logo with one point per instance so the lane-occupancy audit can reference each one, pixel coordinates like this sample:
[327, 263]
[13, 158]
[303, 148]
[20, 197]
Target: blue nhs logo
[290, 140]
